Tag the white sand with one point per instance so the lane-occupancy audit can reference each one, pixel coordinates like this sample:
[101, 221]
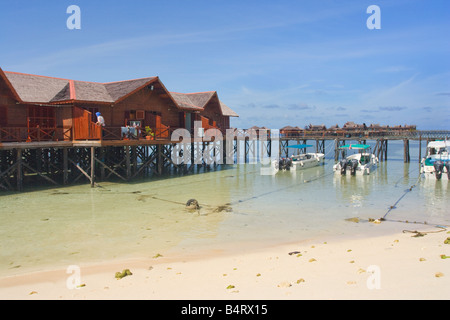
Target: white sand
[404, 267]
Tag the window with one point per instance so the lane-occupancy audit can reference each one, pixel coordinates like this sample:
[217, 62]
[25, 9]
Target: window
[136, 114]
[134, 117]
[44, 117]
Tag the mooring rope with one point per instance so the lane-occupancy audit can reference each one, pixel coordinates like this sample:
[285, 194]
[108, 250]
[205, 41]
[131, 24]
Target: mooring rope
[402, 196]
[402, 177]
[281, 189]
[416, 233]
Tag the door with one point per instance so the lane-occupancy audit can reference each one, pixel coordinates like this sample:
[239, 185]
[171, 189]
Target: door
[188, 121]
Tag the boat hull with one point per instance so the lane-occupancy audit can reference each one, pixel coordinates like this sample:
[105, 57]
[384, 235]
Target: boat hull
[308, 160]
[436, 165]
[356, 164]
[430, 172]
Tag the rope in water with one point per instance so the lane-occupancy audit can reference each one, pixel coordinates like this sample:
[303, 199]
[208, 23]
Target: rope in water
[416, 233]
[399, 199]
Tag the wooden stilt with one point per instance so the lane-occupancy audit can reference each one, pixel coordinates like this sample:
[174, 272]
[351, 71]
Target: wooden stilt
[420, 148]
[128, 162]
[337, 151]
[159, 161]
[92, 177]
[65, 166]
[380, 149]
[406, 156]
[320, 146]
[19, 172]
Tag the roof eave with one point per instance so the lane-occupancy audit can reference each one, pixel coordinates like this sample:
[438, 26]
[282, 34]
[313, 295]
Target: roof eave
[137, 89]
[10, 86]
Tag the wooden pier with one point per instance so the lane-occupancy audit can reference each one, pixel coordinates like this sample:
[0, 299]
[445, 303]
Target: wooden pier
[64, 163]
[380, 138]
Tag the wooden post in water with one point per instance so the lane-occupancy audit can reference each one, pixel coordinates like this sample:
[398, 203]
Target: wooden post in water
[19, 173]
[380, 149]
[337, 144]
[128, 162]
[92, 167]
[134, 158]
[159, 159]
[385, 149]
[245, 149]
[304, 150]
[320, 146]
[420, 148]
[406, 156]
[65, 166]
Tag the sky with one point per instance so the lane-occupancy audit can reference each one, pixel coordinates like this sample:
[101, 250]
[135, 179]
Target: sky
[276, 63]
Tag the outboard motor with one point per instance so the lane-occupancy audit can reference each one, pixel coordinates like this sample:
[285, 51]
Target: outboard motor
[353, 166]
[288, 163]
[343, 164]
[447, 166]
[282, 164]
[438, 169]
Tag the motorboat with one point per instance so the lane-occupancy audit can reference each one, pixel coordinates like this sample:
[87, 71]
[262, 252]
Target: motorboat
[436, 164]
[361, 163]
[302, 161]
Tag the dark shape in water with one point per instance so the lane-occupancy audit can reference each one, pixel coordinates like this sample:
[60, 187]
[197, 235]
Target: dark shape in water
[439, 169]
[226, 208]
[192, 204]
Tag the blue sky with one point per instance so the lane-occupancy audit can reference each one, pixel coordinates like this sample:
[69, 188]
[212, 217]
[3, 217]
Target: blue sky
[275, 63]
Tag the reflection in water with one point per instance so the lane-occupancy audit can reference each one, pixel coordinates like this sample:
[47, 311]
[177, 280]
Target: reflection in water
[436, 195]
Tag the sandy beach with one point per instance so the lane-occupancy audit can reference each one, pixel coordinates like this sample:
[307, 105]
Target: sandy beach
[394, 266]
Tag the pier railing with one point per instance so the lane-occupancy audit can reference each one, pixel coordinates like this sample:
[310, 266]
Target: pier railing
[37, 134]
[367, 134]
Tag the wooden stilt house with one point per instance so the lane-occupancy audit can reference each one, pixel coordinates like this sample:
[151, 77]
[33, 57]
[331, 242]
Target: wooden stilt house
[40, 108]
[205, 107]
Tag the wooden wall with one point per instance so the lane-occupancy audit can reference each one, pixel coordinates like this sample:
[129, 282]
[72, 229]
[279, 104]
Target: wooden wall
[154, 102]
[213, 112]
[6, 102]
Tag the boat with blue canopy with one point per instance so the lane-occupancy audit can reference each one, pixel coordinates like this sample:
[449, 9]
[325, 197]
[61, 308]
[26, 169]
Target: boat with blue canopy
[362, 162]
[436, 164]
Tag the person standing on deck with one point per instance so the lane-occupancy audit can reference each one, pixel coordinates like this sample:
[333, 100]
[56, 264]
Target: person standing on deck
[100, 119]
[100, 122]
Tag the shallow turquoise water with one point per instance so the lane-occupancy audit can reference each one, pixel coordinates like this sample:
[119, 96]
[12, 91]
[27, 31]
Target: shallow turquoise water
[77, 224]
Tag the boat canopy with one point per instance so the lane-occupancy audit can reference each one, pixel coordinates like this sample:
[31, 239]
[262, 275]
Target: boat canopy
[438, 144]
[300, 146]
[355, 146]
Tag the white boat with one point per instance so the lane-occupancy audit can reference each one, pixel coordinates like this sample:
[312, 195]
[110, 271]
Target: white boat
[436, 164]
[303, 161]
[361, 163]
